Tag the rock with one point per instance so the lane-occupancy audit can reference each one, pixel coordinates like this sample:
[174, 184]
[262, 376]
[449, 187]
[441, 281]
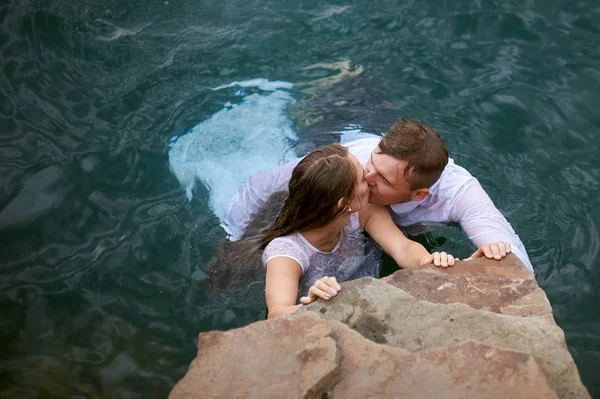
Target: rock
[470, 370]
[491, 314]
[293, 357]
[481, 329]
[301, 357]
[497, 286]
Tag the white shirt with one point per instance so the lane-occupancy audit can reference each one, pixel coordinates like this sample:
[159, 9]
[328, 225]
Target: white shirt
[456, 197]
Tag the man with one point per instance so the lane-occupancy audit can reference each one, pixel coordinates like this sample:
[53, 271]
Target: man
[408, 169]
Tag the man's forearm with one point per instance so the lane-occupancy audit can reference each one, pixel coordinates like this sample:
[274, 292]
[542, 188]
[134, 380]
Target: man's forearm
[483, 223]
[410, 255]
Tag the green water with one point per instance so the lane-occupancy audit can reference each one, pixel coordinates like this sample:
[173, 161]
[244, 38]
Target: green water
[102, 257]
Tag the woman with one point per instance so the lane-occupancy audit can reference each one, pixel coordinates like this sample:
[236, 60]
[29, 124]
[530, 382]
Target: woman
[317, 238]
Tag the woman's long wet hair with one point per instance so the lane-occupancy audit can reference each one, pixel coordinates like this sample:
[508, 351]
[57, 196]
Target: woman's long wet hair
[317, 184]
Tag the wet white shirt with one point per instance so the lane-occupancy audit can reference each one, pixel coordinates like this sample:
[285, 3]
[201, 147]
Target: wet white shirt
[456, 197]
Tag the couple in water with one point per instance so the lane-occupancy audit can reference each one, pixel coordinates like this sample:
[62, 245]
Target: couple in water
[336, 192]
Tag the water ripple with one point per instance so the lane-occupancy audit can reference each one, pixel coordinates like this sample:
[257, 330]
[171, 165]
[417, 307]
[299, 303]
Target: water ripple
[103, 260]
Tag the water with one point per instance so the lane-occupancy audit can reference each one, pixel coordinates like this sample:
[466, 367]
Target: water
[102, 255]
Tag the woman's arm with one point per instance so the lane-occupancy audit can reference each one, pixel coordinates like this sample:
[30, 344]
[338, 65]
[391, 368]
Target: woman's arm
[281, 289]
[407, 253]
[283, 275]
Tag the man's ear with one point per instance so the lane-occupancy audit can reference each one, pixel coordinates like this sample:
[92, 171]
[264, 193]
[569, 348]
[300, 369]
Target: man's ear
[419, 194]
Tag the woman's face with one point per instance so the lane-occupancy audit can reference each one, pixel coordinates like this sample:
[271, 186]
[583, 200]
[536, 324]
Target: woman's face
[361, 197]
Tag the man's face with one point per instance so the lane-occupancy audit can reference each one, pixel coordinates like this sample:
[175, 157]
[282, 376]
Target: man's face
[385, 176]
[361, 198]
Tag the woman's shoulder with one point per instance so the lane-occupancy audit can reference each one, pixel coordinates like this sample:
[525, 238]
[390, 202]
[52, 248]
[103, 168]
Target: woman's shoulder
[287, 246]
[282, 243]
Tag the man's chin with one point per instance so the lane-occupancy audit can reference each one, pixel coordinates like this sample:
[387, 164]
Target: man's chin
[374, 200]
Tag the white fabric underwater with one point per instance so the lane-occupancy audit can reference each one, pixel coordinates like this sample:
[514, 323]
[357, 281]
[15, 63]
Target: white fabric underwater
[239, 140]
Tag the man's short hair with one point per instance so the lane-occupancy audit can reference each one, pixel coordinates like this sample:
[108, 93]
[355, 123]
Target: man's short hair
[421, 147]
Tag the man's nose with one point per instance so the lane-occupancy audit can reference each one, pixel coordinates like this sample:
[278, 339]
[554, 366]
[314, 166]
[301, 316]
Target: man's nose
[370, 175]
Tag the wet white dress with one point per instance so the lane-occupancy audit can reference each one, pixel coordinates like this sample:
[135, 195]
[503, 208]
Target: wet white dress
[346, 261]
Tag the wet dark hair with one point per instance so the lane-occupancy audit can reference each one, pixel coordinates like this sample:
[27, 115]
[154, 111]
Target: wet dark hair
[317, 184]
[421, 147]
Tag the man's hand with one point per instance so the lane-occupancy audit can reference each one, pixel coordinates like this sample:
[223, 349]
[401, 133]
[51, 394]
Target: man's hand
[496, 250]
[441, 259]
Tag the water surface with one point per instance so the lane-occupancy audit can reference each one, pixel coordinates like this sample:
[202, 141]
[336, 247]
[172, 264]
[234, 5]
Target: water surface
[102, 253]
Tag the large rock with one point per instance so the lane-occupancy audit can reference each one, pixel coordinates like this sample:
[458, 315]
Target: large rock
[300, 357]
[494, 303]
[284, 358]
[480, 329]
[469, 370]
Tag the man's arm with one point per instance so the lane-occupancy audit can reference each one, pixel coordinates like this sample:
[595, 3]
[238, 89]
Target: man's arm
[484, 224]
[376, 220]
[253, 194]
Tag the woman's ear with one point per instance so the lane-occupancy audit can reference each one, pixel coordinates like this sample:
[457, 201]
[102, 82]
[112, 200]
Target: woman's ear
[340, 203]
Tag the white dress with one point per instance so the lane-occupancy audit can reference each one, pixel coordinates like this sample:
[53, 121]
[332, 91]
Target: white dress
[346, 261]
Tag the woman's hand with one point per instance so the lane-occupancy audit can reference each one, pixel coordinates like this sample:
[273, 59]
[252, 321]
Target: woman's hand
[440, 259]
[324, 288]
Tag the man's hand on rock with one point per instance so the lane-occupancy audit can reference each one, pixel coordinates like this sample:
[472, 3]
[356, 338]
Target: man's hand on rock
[440, 259]
[496, 250]
[324, 288]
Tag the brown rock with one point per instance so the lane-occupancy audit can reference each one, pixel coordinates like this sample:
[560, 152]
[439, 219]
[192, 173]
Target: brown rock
[497, 286]
[470, 370]
[302, 357]
[386, 314]
[281, 358]
[481, 329]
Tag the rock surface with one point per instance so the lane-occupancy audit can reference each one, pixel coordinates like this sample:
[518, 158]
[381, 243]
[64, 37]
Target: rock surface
[480, 329]
[497, 286]
[301, 357]
[275, 359]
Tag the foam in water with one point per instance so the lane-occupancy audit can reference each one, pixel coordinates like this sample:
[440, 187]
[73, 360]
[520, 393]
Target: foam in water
[262, 84]
[354, 132]
[236, 142]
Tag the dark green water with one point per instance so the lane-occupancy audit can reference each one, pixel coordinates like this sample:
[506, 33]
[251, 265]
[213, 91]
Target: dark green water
[101, 255]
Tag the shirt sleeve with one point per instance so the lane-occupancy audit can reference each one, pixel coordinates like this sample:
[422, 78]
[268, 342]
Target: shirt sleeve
[283, 247]
[253, 194]
[483, 223]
